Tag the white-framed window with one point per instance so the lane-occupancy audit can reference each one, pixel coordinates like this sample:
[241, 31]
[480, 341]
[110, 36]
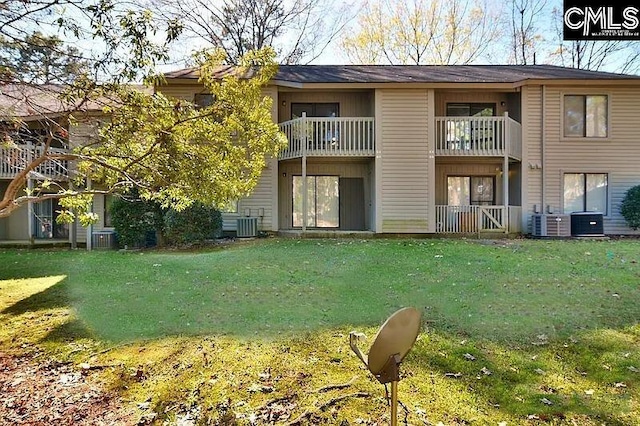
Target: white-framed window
[586, 116]
[106, 213]
[203, 100]
[586, 192]
[230, 207]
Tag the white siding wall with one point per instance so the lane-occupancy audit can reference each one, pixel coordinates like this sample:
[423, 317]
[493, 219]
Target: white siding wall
[403, 161]
[618, 155]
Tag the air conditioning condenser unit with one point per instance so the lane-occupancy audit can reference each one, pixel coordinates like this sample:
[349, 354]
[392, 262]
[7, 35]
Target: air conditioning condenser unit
[247, 227]
[551, 225]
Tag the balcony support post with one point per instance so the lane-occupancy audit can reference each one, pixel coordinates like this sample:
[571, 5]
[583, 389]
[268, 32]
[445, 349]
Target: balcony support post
[505, 170]
[30, 224]
[305, 142]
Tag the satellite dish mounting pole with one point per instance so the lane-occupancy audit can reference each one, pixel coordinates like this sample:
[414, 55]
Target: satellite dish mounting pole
[390, 373]
[392, 343]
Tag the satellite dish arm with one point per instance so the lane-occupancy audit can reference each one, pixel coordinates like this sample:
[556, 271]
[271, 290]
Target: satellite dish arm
[353, 343]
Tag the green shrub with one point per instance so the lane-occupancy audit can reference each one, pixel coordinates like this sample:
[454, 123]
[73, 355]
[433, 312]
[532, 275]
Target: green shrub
[194, 224]
[630, 207]
[134, 220]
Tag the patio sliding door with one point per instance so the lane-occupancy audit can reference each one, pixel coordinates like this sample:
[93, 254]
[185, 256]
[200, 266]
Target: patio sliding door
[322, 199]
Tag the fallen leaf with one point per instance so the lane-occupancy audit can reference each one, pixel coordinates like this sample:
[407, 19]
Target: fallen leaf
[453, 375]
[469, 357]
[633, 369]
[540, 371]
[486, 371]
[546, 401]
[589, 392]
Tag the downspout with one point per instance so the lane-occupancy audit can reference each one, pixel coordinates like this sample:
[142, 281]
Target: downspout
[543, 148]
[89, 237]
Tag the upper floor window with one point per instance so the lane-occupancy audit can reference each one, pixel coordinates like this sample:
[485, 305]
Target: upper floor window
[230, 207]
[203, 100]
[471, 110]
[586, 116]
[585, 192]
[315, 109]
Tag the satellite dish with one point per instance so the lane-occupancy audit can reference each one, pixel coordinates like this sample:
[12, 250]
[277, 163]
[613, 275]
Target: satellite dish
[396, 337]
[394, 340]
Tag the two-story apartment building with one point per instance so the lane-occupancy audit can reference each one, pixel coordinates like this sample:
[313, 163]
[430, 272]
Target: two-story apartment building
[442, 149]
[431, 149]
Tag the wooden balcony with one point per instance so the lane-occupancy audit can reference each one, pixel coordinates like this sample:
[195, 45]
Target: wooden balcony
[329, 137]
[14, 159]
[479, 136]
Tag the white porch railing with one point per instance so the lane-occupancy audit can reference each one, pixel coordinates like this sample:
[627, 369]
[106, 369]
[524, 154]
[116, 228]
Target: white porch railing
[478, 136]
[476, 219]
[333, 136]
[13, 160]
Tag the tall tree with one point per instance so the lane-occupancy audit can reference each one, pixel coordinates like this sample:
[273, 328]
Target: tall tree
[298, 30]
[422, 32]
[525, 34]
[173, 152]
[599, 55]
[41, 59]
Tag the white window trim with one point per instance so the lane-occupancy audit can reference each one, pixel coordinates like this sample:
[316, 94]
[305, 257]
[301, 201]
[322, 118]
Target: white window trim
[583, 92]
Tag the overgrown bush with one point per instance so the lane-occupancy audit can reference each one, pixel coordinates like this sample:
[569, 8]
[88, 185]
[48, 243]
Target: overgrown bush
[196, 223]
[630, 207]
[134, 220]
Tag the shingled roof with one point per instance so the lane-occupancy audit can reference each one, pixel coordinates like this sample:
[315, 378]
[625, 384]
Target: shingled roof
[305, 74]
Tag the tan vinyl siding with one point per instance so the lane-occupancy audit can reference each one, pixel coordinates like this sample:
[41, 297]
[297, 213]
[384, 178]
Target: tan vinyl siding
[265, 195]
[616, 155]
[318, 167]
[404, 160]
[532, 151]
[98, 208]
[352, 103]
[181, 91]
[252, 206]
[17, 225]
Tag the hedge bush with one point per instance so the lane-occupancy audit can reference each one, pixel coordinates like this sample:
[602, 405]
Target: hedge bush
[134, 220]
[196, 223]
[630, 207]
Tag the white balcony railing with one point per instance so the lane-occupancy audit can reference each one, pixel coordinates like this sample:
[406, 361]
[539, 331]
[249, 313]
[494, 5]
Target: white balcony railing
[476, 219]
[14, 159]
[333, 136]
[478, 136]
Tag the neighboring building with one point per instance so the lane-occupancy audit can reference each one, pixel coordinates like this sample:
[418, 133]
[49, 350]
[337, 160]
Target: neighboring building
[27, 113]
[422, 149]
[442, 149]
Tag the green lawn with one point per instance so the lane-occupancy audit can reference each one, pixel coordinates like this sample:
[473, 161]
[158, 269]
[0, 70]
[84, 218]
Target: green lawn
[552, 325]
